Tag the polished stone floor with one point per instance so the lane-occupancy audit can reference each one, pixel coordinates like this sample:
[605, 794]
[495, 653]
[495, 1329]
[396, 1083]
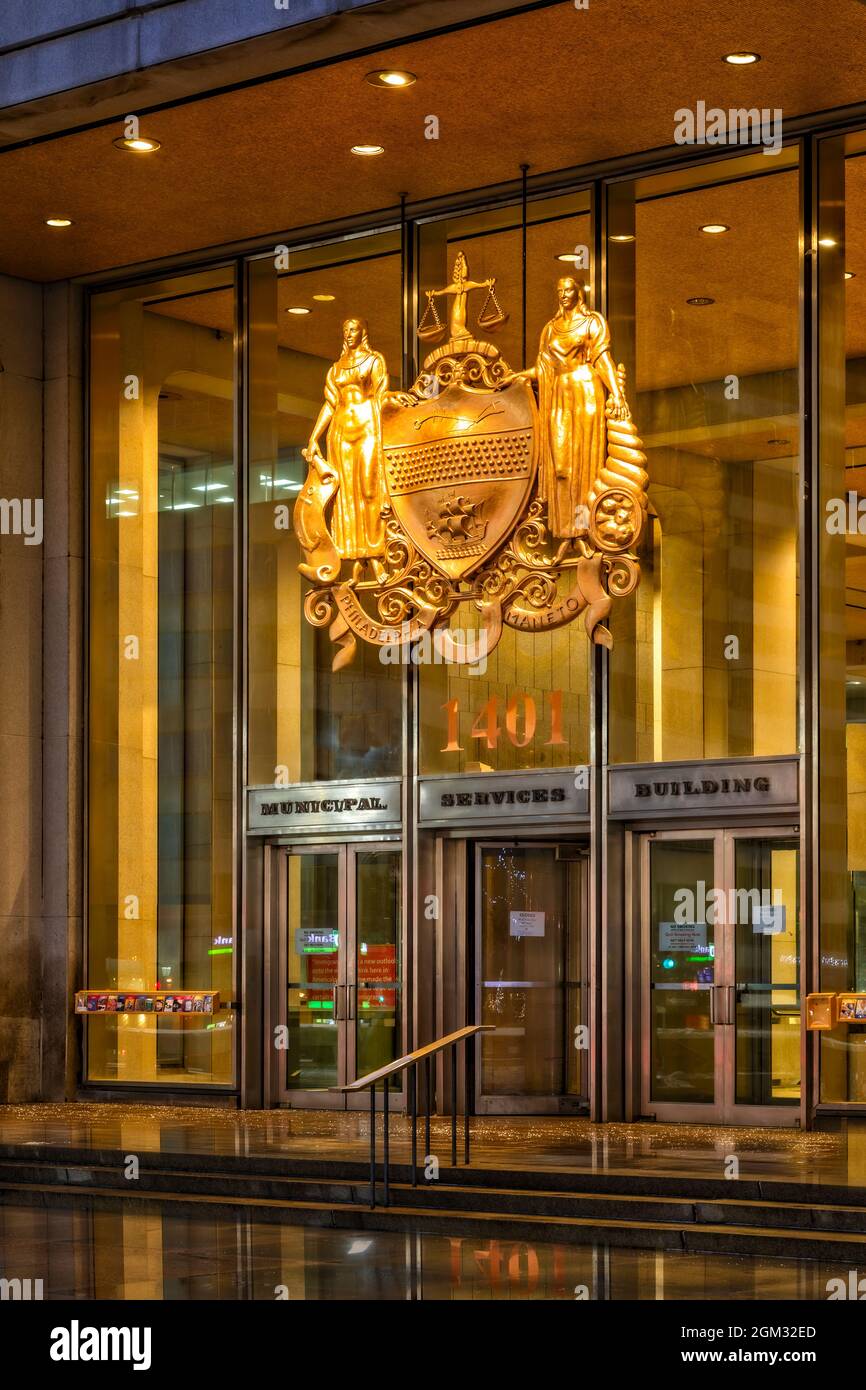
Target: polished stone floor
[83, 1254]
[514, 1142]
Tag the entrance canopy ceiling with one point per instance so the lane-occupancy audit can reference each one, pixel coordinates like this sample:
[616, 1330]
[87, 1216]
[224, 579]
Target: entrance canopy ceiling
[556, 88]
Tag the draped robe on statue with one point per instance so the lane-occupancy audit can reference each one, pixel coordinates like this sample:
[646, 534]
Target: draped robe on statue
[571, 406]
[354, 393]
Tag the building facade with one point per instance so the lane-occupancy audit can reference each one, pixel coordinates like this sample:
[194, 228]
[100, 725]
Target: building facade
[258, 878]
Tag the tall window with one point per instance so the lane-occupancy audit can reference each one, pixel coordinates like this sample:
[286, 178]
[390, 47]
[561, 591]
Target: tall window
[842, 561]
[162, 510]
[307, 722]
[705, 657]
[526, 704]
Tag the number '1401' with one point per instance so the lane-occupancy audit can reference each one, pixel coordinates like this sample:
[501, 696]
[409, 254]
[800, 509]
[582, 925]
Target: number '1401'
[521, 720]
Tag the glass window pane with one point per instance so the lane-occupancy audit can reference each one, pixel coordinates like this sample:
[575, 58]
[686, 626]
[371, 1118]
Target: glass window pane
[705, 654]
[307, 722]
[526, 704]
[378, 909]
[682, 1037]
[162, 517]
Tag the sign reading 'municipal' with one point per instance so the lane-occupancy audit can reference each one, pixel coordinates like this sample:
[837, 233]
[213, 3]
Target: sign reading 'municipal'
[324, 806]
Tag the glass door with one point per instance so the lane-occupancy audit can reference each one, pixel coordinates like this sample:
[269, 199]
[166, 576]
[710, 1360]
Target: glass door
[721, 960]
[313, 911]
[531, 979]
[763, 1030]
[683, 1047]
[374, 982]
[341, 906]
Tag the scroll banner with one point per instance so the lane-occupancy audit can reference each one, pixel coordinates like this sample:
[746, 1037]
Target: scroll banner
[588, 593]
[353, 619]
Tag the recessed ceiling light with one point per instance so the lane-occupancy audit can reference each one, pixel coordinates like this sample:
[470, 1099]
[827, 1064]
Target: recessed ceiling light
[827, 241]
[569, 256]
[59, 222]
[715, 228]
[298, 309]
[741, 60]
[368, 151]
[622, 236]
[700, 300]
[139, 144]
[325, 298]
[849, 274]
[390, 77]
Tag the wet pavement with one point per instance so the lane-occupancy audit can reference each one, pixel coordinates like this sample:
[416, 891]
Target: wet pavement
[82, 1254]
[512, 1142]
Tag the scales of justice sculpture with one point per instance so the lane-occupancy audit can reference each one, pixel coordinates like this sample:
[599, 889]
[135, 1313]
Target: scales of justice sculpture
[523, 493]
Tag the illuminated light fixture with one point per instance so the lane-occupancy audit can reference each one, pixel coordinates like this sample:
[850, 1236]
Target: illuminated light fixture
[209, 487]
[391, 77]
[849, 274]
[568, 256]
[138, 144]
[700, 300]
[298, 309]
[368, 151]
[185, 506]
[622, 236]
[325, 298]
[59, 222]
[827, 241]
[742, 60]
[715, 228]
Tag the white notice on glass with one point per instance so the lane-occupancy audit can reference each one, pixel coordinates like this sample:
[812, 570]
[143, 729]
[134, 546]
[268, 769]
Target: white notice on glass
[526, 923]
[683, 936]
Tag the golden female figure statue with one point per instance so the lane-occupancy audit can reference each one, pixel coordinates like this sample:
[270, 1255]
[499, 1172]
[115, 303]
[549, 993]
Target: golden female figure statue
[355, 391]
[573, 369]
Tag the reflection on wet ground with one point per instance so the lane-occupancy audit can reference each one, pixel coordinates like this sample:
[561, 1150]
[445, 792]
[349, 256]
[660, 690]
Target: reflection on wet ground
[84, 1254]
[513, 1142]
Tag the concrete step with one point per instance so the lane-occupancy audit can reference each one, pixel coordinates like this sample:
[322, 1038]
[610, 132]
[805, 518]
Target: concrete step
[764, 1223]
[610, 1181]
[445, 1219]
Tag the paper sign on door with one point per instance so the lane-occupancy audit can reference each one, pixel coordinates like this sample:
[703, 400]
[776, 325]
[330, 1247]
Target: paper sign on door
[683, 936]
[526, 923]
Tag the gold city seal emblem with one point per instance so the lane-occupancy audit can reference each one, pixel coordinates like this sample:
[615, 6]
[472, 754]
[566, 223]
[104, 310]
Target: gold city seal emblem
[521, 493]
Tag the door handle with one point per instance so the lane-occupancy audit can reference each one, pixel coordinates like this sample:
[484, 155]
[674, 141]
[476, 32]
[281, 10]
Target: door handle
[340, 1002]
[350, 996]
[722, 1004]
[731, 1004]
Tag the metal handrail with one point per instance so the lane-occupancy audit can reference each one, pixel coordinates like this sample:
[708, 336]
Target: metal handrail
[414, 1060]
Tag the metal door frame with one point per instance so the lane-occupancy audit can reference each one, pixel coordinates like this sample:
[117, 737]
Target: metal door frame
[346, 989]
[786, 1114]
[397, 1094]
[724, 1109]
[536, 1105]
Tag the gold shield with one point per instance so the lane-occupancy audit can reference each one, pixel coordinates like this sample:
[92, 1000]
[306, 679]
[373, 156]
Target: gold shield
[460, 467]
